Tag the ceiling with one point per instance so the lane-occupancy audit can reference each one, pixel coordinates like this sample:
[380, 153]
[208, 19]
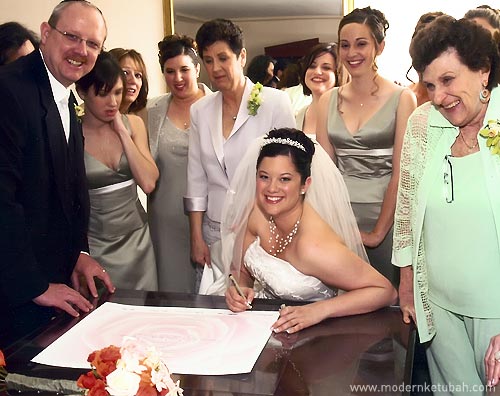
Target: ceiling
[247, 9]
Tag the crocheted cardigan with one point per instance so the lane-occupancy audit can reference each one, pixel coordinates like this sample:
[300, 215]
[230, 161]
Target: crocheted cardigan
[428, 139]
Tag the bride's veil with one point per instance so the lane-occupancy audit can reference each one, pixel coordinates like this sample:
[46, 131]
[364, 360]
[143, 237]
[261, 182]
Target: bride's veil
[327, 194]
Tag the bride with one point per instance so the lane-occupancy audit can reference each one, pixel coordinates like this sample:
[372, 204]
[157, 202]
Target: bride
[293, 236]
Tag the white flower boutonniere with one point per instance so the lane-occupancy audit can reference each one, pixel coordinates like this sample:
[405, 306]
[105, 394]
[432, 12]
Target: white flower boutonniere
[491, 132]
[255, 99]
[80, 112]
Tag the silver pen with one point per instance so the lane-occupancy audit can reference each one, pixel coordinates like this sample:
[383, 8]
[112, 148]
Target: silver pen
[238, 289]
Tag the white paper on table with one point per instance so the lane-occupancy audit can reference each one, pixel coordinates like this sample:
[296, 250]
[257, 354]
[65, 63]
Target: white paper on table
[191, 340]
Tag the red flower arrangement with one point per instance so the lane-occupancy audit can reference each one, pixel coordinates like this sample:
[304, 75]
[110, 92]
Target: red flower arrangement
[132, 370]
[3, 372]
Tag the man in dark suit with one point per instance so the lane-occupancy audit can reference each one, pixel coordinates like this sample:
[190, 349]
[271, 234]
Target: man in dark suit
[44, 204]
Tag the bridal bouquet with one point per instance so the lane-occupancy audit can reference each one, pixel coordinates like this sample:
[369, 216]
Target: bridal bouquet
[132, 370]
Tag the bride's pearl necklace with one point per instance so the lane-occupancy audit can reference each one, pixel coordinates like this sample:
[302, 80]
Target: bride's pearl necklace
[279, 244]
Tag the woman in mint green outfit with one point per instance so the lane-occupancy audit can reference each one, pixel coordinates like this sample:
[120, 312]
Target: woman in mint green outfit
[447, 220]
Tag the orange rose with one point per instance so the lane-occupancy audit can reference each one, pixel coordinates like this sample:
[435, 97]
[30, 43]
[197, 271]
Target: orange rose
[86, 381]
[104, 368]
[91, 357]
[110, 354]
[2, 359]
[99, 389]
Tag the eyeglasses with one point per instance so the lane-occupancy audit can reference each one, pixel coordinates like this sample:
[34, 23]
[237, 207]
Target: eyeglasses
[75, 39]
[448, 180]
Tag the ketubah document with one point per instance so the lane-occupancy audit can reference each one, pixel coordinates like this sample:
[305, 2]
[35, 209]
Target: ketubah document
[191, 340]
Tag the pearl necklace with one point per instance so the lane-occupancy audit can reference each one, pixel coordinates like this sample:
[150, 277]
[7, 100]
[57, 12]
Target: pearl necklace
[279, 244]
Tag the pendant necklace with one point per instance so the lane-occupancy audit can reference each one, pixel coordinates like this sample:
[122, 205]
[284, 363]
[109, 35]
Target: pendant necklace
[468, 146]
[278, 243]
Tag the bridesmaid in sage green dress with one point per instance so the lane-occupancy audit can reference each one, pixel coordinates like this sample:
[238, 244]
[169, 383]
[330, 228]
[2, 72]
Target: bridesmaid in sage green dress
[361, 125]
[117, 159]
[168, 127]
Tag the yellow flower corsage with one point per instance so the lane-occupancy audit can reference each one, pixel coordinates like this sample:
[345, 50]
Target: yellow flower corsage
[491, 132]
[255, 99]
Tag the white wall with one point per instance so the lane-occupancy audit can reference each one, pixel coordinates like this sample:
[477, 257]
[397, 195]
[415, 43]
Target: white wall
[131, 24]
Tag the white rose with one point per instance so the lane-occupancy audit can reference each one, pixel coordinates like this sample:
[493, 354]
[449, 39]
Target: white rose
[122, 383]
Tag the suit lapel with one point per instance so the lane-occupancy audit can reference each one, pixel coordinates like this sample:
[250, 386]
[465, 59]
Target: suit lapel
[74, 122]
[243, 115]
[78, 178]
[214, 119]
[214, 116]
[55, 137]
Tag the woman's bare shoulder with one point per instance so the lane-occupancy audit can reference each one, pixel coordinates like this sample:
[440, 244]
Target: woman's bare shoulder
[256, 221]
[316, 235]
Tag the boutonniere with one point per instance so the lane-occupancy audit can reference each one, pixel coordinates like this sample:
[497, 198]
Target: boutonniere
[255, 99]
[491, 132]
[79, 111]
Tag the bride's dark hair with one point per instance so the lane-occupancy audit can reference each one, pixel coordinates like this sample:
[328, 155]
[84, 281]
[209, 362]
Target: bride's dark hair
[300, 158]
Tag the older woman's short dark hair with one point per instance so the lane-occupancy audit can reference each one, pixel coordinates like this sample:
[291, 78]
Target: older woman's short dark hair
[175, 45]
[220, 30]
[475, 46]
[307, 61]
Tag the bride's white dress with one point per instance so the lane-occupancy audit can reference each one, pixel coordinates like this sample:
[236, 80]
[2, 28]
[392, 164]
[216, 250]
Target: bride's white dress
[327, 194]
[277, 278]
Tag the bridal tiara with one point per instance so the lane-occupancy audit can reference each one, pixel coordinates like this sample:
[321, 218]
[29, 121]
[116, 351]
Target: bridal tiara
[287, 141]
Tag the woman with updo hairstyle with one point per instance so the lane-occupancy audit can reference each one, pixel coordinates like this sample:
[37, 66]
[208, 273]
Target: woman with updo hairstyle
[169, 126]
[136, 77]
[117, 161]
[222, 127]
[318, 75]
[361, 125]
[488, 18]
[292, 235]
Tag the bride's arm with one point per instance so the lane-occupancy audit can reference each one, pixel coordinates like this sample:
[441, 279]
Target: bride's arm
[335, 265]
